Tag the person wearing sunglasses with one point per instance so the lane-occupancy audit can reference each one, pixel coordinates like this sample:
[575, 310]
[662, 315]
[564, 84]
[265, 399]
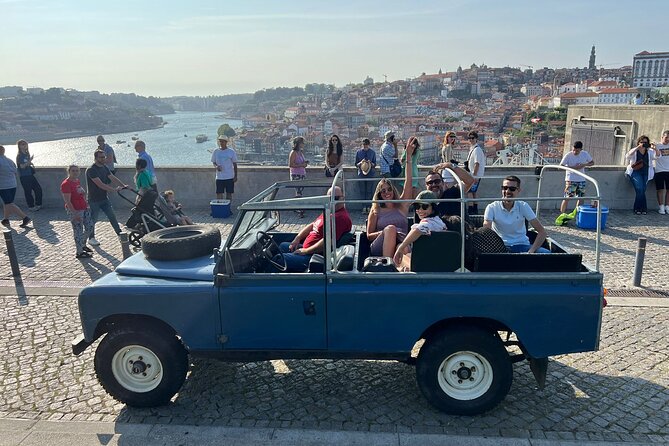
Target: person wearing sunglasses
[429, 222]
[507, 218]
[444, 186]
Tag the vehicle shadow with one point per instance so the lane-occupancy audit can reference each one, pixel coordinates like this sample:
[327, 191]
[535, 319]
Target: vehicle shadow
[383, 396]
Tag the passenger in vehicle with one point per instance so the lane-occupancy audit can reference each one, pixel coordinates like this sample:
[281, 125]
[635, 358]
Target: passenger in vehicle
[444, 186]
[507, 218]
[429, 222]
[387, 223]
[310, 239]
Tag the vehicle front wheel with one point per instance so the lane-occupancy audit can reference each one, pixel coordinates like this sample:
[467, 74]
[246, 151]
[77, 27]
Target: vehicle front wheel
[464, 371]
[141, 369]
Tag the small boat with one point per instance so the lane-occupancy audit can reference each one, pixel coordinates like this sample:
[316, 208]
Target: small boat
[120, 142]
[135, 138]
[185, 136]
[201, 138]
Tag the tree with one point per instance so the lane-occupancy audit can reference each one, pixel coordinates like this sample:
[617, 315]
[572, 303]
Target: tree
[226, 130]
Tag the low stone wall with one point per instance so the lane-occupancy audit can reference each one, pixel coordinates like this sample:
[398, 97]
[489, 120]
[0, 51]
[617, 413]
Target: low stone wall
[194, 186]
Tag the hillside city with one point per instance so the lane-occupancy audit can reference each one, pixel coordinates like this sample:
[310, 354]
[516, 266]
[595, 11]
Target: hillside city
[516, 111]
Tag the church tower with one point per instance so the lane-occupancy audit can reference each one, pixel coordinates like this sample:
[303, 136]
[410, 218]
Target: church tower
[591, 63]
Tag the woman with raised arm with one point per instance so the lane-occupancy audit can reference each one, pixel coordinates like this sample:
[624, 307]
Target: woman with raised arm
[387, 223]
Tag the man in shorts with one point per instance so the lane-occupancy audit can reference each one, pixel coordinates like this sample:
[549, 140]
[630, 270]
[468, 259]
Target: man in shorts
[662, 173]
[476, 167]
[577, 159]
[225, 160]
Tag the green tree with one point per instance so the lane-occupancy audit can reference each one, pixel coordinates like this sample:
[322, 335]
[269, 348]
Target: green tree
[226, 130]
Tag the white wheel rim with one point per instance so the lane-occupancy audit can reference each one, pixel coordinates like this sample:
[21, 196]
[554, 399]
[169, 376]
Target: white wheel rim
[137, 368]
[465, 375]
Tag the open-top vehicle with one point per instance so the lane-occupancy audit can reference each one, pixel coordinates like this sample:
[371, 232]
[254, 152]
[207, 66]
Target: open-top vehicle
[187, 294]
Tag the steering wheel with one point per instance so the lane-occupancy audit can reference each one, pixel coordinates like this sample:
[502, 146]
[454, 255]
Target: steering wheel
[267, 244]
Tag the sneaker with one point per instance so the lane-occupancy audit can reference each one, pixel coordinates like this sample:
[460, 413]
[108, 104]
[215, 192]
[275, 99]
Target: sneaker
[87, 249]
[32, 208]
[5, 222]
[93, 242]
[644, 212]
[38, 207]
[662, 210]
[84, 255]
[25, 222]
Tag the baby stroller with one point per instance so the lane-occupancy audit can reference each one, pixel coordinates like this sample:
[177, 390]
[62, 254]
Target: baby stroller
[149, 214]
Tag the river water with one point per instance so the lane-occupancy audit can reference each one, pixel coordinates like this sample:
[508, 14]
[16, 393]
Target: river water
[167, 145]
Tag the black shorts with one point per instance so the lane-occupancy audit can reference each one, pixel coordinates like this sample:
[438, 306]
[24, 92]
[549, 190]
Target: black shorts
[7, 195]
[225, 186]
[661, 180]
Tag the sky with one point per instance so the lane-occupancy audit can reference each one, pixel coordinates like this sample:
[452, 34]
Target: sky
[213, 47]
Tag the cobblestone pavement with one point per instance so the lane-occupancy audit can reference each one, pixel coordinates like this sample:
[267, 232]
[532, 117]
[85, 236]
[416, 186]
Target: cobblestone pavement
[619, 393]
[46, 253]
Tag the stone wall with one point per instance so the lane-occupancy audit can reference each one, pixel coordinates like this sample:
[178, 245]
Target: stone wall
[194, 186]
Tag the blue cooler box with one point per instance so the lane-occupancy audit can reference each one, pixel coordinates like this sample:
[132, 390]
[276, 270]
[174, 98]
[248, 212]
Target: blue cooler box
[587, 217]
[220, 208]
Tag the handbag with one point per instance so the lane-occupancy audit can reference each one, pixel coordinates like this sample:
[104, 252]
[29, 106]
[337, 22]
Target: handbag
[395, 168]
[637, 165]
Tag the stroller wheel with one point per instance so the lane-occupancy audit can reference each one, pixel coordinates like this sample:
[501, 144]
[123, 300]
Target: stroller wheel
[135, 239]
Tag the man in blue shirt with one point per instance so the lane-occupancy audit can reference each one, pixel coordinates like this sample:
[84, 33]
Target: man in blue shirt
[140, 148]
[365, 161]
[388, 153]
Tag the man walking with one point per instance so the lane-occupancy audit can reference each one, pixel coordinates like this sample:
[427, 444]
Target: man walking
[476, 166]
[109, 154]
[99, 180]
[577, 159]
[365, 161]
[225, 160]
[662, 172]
[388, 153]
[140, 148]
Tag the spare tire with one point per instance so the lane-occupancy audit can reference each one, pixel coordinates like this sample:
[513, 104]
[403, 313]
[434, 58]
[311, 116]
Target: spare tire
[181, 242]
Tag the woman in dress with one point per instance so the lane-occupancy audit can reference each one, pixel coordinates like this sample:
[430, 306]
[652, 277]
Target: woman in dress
[77, 208]
[387, 223]
[334, 156]
[640, 171]
[298, 167]
[24, 163]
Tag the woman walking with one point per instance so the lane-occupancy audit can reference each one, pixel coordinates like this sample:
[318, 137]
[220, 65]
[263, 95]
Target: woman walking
[78, 210]
[8, 190]
[333, 156]
[640, 171]
[24, 163]
[297, 166]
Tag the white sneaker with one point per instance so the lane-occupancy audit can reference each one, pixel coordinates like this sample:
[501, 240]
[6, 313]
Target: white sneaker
[662, 210]
[93, 242]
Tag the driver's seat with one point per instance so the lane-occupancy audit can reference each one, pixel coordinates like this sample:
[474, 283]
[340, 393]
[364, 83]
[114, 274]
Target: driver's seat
[343, 260]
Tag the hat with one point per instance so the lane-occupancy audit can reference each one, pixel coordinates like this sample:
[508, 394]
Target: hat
[389, 134]
[425, 196]
[222, 138]
[365, 166]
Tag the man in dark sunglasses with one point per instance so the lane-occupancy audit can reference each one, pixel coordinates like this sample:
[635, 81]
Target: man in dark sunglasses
[507, 218]
[435, 183]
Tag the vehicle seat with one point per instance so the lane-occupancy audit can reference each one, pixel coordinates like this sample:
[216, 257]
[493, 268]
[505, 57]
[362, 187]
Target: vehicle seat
[343, 260]
[438, 252]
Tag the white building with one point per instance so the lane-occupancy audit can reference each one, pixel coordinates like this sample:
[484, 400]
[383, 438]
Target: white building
[617, 95]
[532, 90]
[650, 70]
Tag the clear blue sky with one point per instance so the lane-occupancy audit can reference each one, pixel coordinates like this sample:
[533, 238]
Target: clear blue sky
[171, 47]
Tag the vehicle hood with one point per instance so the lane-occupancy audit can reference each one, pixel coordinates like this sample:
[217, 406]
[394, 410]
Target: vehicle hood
[200, 268]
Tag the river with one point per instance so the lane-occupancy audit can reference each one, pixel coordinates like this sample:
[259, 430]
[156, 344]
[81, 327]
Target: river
[167, 145]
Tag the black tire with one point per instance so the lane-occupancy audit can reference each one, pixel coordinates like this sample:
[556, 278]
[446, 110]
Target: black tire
[135, 377]
[464, 371]
[181, 242]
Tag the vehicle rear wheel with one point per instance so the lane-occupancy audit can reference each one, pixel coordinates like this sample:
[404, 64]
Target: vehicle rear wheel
[141, 369]
[181, 242]
[464, 371]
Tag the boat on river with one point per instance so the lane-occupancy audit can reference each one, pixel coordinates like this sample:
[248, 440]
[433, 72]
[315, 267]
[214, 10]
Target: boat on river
[201, 138]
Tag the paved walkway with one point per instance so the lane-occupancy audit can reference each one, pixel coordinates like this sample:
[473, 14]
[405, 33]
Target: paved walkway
[618, 394]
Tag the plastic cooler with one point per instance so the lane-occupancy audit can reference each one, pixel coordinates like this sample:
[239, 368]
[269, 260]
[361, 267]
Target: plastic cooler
[220, 208]
[587, 217]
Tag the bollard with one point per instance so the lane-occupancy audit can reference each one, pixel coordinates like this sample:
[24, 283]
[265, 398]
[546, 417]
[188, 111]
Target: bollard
[125, 245]
[11, 253]
[638, 261]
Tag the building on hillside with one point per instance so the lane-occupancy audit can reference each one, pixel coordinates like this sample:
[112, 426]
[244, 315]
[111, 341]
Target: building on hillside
[588, 97]
[617, 95]
[532, 90]
[650, 70]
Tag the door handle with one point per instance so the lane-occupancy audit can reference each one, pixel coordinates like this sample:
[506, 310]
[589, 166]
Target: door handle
[309, 307]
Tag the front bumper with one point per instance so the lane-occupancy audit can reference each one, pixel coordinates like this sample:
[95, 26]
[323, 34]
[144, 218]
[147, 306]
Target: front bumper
[79, 344]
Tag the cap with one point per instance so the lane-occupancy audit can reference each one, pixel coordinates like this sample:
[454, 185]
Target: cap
[389, 134]
[425, 196]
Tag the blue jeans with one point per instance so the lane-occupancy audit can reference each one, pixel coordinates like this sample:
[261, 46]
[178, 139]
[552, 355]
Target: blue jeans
[295, 262]
[106, 207]
[639, 179]
[525, 248]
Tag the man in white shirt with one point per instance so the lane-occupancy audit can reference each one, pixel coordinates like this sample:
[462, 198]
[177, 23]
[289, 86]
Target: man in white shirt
[577, 159]
[662, 172]
[507, 218]
[225, 160]
[475, 164]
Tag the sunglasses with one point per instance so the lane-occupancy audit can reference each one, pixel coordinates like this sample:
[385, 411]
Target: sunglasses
[423, 206]
[386, 191]
[433, 182]
[510, 188]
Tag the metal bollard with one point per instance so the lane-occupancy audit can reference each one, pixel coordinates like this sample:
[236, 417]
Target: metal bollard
[638, 261]
[11, 253]
[125, 245]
